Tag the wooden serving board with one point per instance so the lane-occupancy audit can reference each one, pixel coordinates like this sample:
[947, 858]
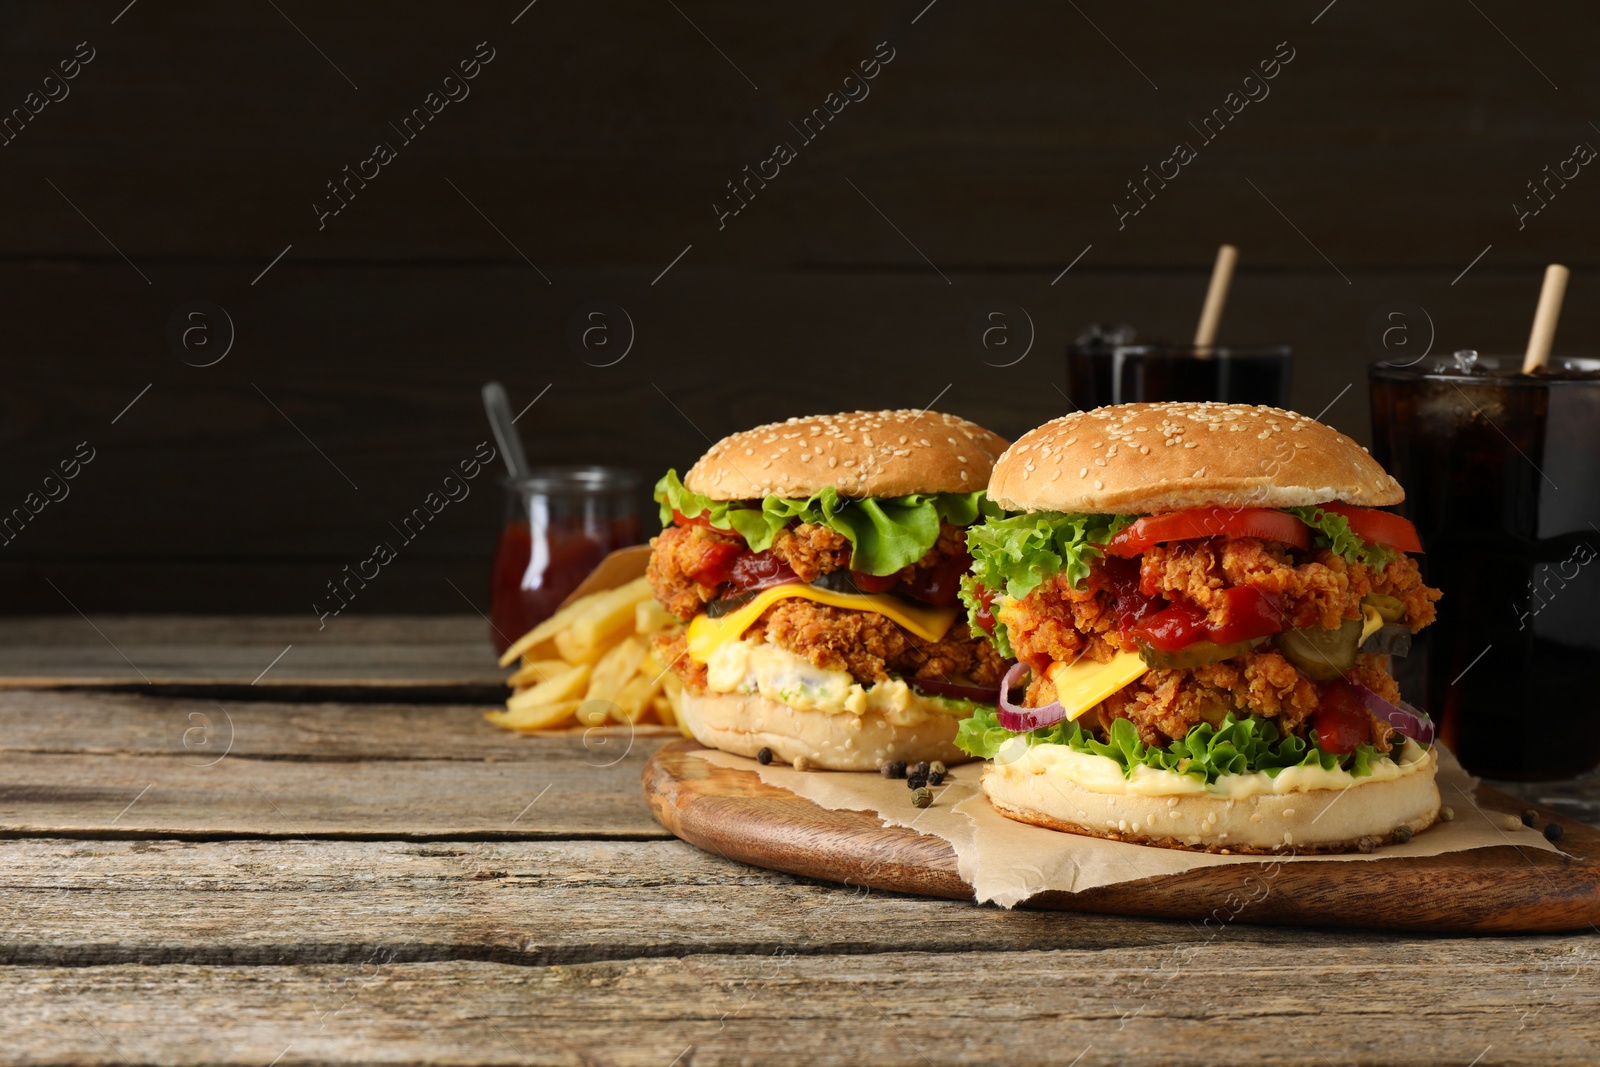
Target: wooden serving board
[1491, 890]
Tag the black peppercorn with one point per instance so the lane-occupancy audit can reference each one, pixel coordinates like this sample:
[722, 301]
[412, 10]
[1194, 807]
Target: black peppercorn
[1529, 816]
[918, 768]
[916, 781]
[886, 769]
[764, 757]
[935, 777]
[897, 768]
[1552, 831]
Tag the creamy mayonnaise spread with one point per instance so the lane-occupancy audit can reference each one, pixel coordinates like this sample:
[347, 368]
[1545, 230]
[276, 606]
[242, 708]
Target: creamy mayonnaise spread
[782, 676]
[1101, 774]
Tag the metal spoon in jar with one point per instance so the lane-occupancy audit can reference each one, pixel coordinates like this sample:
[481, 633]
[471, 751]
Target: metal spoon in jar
[498, 407]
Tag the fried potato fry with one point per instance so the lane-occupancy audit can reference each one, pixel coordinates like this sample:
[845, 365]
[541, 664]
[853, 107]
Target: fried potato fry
[637, 695]
[610, 613]
[535, 716]
[570, 684]
[649, 617]
[614, 669]
[545, 631]
[534, 671]
[605, 673]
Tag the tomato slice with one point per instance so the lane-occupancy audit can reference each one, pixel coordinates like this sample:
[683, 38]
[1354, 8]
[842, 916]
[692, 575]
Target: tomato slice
[1382, 527]
[873, 583]
[1341, 720]
[1190, 523]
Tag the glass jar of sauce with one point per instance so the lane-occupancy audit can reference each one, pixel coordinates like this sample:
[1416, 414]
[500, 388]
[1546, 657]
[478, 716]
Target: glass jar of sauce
[560, 523]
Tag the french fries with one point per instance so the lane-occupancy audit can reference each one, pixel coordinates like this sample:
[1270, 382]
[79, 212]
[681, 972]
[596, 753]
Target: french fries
[591, 664]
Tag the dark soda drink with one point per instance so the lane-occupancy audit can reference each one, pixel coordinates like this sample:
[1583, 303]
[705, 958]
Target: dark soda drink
[560, 523]
[1502, 479]
[1101, 373]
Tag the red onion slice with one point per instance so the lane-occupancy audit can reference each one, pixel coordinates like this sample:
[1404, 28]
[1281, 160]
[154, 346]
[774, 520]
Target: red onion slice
[1018, 719]
[1406, 720]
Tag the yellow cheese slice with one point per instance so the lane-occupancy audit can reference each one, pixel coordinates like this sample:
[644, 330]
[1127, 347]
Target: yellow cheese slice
[1370, 624]
[924, 620]
[1083, 683]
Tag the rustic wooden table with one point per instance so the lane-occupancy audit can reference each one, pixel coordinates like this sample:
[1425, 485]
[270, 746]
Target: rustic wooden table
[339, 861]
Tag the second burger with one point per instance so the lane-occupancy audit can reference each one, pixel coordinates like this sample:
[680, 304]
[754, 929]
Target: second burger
[817, 563]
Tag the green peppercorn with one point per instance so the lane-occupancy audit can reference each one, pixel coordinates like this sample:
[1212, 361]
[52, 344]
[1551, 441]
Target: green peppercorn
[1447, 814]
[922, 797]
[764, 757]
[938, 765]
[1402, 835]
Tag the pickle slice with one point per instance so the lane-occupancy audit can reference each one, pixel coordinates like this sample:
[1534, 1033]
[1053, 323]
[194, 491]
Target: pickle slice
[1391, 608]
[1322, 655]
[1197, 654]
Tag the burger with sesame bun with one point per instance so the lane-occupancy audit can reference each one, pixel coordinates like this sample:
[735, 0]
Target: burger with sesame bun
[1203, 601]
[817, 564]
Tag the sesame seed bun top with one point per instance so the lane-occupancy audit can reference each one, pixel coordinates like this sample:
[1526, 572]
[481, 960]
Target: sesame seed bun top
[859, 453]
[1145, 458]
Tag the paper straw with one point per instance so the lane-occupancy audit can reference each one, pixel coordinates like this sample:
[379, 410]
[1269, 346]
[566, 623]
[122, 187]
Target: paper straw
[1211, 314]
[1545, 317]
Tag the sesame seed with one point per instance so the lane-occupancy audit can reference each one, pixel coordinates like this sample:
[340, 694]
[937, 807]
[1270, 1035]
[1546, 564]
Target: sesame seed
[1098, 484]
[1083, 473]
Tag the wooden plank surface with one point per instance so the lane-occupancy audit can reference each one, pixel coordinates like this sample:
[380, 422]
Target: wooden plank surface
[271, 652]
[280, 904]
[119, 764]
[81, 903]
[1420, 1001]
[602, 133]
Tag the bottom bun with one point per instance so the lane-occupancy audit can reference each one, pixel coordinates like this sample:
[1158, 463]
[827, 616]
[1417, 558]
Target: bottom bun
[1319, 820]
[744, 724]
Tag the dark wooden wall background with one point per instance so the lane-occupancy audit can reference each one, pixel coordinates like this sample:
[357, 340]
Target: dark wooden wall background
[597, 140]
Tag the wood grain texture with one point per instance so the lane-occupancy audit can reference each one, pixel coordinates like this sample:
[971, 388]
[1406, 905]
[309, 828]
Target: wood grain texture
[1422, 1001]
[89, 763]
[602, 133]
[377, 653]
[1497, 890]
[76, 722]
[529, 903]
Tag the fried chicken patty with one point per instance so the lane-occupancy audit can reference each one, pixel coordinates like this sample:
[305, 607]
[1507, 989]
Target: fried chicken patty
[1057, 624]
[871, 647]
[1323, 591]
[811, 550]
[864, 644]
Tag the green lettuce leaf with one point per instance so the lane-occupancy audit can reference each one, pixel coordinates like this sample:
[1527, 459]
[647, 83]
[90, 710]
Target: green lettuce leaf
[1239, 746]
[885, 533]
[1333, 532]
[1013, 555]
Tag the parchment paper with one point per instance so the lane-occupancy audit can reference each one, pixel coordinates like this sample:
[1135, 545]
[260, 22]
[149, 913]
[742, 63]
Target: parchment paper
[1007, 862]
